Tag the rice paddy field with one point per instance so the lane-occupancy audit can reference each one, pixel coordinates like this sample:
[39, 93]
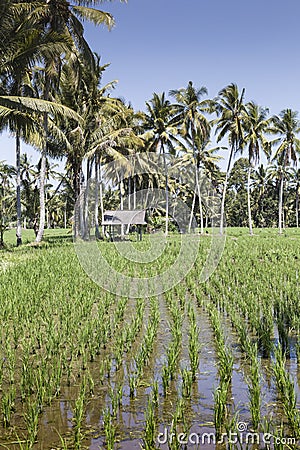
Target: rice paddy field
[212, 365]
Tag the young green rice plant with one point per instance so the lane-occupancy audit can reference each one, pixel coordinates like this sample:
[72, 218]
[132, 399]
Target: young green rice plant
[220, 408]
[11, 362]
[225, 362]
[165, 378]
[254, 388]
[27, 380]
[133, 383]
[194, 344]
[8, 405]
[116, 399]
[146, 347]
[109, 430]
[265, 332]
[149, 434]
[178, 420]
[225, 357]
[31, 417]
[120, 310]
[78, 415]
[155, 395]
[187, 382]
[172, 357]
[286, 389]
[90, 383]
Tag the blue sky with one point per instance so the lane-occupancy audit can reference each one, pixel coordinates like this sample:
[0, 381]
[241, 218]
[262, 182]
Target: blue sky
[158, 45]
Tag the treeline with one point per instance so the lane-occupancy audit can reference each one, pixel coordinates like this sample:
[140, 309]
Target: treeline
[52, 98]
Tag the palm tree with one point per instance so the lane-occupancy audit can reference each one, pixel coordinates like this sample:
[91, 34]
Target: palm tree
[20, 48]
[101, 137]
[255, 125]
[193, 123]
[231, 111]
[6, 173]
[159, 120]
[203, 157]
[286, 126]
[261, 179]
[295, 183]
[64, 18]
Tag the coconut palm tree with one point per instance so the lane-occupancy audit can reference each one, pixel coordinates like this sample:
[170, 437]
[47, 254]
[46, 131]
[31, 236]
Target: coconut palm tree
[199, 153]
[101, 137]
[255, 126]
[6, 203]
[295, 183]
[64, 18]
[230, 109]
[20, 48]
[193, 122]
[160, 122]
[261, 180]
[286, 126]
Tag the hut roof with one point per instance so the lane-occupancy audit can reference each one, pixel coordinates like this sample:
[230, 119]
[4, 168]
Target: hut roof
[124, 217]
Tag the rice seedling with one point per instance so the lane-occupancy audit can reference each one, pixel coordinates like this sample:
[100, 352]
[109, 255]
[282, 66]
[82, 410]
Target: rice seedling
[154, 392]
[187, 381]
[78, 415]
[115, 399]
[220, 408]
[149, 434]
[165, 378]
[31, 416]
[8, 405]
[286, 389]
[194, 344]
[109, 430]
[254, 389]
[133, 383]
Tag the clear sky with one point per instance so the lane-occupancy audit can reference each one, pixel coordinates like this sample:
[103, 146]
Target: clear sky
[158, 45]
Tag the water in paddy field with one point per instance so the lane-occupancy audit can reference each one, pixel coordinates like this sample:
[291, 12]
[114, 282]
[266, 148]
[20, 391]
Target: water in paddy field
[57, 419]
[115, 393]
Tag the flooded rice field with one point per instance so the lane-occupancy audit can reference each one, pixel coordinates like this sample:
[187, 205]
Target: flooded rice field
[211, 365]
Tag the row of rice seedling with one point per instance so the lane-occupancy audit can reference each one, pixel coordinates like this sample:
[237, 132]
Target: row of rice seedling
[286, 390]
[173, 350]
[62, 331]
[143, 354]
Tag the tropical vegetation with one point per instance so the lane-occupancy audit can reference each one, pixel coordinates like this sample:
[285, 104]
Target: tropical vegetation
[52, 98]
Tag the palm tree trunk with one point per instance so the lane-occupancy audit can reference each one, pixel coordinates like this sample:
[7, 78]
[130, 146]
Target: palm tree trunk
[280, 205]
[297, 206]
[76, 188]
[121, 185]
[200, 203]
[129, 193]
[224, 192]
[134, 192]
[249, 203]
[167, 189]
[97, 232]
[197, 183]
[81, 203]
[86, 228]
[192, 212]
[18, 193]
[65, 216]
[40, 232]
